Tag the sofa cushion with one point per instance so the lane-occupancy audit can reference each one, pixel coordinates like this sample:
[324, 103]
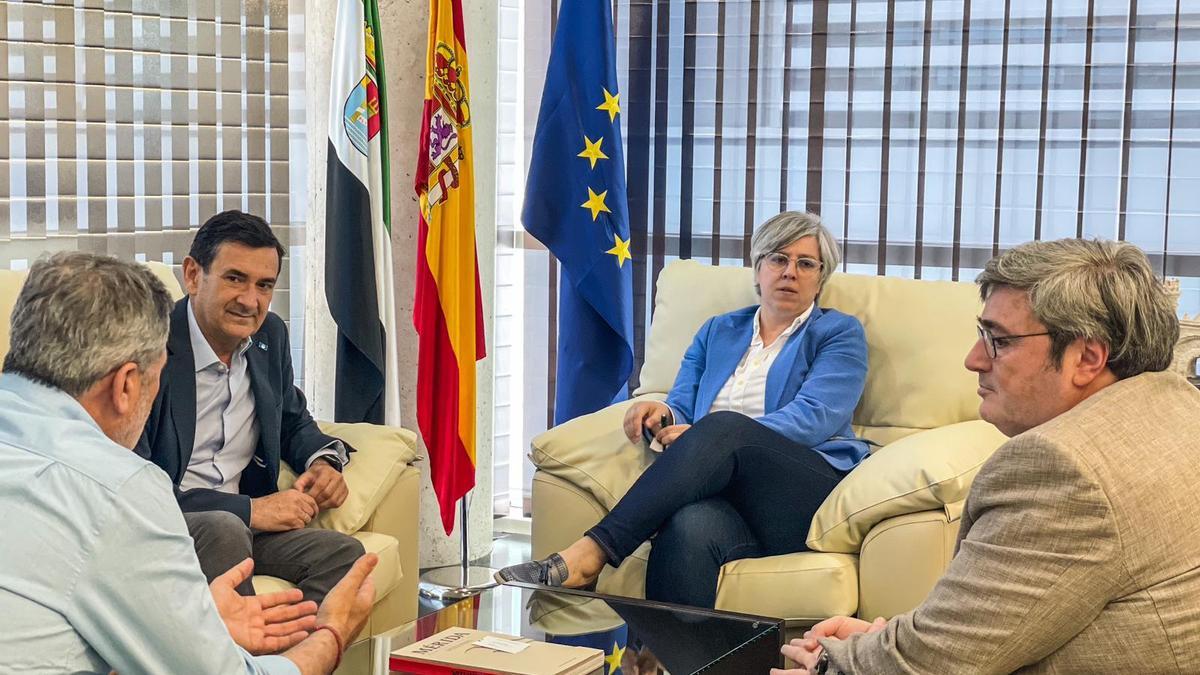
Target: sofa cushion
[918, 333]
[923, 471]
[383, 454]
[166, 274]
[628, 580]
[591, 452]
[792, 586]
[387, 573]
[562, 614]
[10, 287]
[686, 295]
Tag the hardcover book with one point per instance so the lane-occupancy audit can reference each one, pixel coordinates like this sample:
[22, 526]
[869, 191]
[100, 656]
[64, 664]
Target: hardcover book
[465, 651]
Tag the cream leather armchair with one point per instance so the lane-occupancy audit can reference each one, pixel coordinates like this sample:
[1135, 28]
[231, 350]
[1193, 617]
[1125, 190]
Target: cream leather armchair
[886, 534]
[380, 511]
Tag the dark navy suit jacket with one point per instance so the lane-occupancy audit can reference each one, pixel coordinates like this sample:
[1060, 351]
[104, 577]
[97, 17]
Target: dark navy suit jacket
[285, 429]
[812, 387]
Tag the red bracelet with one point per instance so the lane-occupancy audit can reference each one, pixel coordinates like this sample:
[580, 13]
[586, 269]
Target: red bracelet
[337, 638]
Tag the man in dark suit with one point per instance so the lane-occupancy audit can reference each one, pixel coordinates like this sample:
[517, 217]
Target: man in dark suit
[227, 413]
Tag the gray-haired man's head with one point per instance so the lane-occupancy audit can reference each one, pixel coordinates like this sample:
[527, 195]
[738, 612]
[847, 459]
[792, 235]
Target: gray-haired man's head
[93, 326]
[1092, 289]
[1062, 320]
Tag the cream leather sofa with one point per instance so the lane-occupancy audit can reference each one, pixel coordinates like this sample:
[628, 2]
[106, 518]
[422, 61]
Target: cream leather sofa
[887, 533]
[380, 511]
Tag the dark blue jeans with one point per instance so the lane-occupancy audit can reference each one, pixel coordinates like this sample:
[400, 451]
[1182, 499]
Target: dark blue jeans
[728, 488]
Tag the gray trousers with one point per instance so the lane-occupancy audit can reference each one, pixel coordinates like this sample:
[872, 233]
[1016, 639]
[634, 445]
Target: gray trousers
[314, 560]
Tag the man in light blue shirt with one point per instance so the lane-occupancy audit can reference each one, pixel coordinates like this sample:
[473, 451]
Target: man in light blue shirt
[98, 572]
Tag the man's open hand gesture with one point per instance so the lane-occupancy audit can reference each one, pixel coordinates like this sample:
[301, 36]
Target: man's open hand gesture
[261, 624]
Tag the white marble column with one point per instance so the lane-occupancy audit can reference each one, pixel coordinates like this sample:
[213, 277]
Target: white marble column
[319, 330]
[404, 28]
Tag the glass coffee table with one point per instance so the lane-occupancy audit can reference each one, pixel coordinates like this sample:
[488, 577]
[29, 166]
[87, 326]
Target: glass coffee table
[636, 635]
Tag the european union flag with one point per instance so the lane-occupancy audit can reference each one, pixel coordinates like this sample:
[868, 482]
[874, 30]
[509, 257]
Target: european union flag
[575, 204]
[612, 642]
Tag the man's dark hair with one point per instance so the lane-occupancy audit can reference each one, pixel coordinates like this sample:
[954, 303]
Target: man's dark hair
[232, 226]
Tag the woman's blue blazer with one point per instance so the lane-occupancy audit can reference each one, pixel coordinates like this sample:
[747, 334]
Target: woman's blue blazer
[812, 388]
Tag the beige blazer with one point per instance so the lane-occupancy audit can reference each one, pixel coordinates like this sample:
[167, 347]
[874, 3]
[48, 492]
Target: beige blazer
[1079, 550]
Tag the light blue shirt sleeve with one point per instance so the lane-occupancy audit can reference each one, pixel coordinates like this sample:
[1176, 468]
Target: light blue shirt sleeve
[154, 614]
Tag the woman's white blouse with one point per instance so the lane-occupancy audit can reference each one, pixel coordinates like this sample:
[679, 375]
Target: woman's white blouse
[746, 390]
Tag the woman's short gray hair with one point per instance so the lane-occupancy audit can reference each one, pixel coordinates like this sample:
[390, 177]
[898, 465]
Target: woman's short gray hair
[79, 316]
[789, 227]
[1092, 289]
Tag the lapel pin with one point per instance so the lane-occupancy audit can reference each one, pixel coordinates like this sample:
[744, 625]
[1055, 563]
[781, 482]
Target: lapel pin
[262, 346]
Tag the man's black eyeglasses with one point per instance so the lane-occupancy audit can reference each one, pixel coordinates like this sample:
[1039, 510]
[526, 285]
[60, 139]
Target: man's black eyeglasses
[992, 344]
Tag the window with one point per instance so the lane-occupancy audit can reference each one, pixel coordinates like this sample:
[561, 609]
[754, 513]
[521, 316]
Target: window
[124, 125]
[928, 134]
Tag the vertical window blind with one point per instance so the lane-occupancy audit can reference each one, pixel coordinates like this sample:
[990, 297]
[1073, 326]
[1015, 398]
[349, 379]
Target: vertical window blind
[125, 124]
[928, 134]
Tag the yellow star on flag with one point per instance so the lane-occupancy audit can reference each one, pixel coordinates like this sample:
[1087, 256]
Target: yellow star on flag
[595, 202]
[592, 152]
[613, 661]
[611, 105]
[621, 250]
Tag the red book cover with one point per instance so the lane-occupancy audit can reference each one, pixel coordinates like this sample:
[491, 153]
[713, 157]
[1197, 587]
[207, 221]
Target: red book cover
[398, 664]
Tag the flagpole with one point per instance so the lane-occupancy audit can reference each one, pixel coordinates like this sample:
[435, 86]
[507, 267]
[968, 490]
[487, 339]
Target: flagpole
[455, 582]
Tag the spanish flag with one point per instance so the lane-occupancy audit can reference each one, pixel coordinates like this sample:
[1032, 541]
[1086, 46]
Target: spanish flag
[447, 312]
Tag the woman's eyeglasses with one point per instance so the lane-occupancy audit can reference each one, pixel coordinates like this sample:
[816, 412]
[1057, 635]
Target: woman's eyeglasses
[778, 262]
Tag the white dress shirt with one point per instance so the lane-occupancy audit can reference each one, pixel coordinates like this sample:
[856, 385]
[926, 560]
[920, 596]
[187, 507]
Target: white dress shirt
[97, 571]
[226, 420]
[746, 389]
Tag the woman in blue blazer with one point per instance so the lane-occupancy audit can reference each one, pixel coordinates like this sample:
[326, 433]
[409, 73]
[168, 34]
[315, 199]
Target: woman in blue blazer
[756, 432]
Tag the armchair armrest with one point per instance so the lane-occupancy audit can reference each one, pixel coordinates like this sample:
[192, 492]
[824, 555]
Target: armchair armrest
[383, 453]
[592, 453]
[927, 470]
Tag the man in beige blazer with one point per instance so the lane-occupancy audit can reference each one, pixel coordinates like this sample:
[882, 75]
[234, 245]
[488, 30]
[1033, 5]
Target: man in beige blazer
[1079, 550]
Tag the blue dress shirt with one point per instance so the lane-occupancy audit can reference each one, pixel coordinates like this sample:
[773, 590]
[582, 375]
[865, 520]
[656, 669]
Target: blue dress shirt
[97, 571]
